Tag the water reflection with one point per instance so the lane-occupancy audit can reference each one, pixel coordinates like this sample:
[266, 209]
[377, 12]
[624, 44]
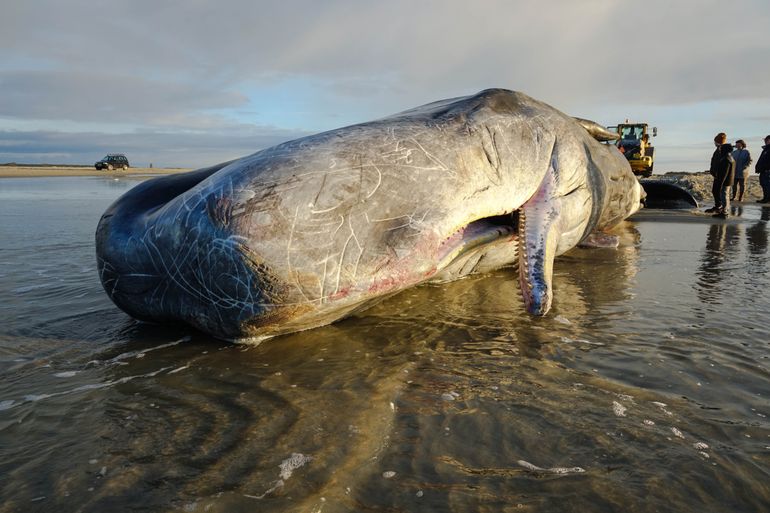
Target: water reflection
[721, 249]
[756, 234]
[604, 277]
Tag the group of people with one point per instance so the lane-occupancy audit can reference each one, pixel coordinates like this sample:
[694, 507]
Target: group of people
[729, 167]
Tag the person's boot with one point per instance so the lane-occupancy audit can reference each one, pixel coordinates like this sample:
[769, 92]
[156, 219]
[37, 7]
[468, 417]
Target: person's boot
[720, 214]
[711, 210]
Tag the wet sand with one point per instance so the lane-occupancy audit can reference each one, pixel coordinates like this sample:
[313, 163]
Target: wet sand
[48, 171]
[645, 390]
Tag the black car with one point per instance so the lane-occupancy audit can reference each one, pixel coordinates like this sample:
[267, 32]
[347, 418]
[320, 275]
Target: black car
[112, 161]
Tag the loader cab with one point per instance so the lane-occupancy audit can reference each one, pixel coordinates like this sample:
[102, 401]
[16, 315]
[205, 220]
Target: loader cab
[632, 133]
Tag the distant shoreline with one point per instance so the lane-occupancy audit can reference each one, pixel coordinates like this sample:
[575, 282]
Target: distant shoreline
[12, 170]
[698, 183]
[34, 171]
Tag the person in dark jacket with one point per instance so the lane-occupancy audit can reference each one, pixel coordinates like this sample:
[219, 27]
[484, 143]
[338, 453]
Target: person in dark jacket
[763, 168]
[723, 171]
[742, 159]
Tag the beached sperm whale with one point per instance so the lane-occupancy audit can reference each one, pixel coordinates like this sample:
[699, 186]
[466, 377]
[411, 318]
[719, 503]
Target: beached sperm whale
[306, 232]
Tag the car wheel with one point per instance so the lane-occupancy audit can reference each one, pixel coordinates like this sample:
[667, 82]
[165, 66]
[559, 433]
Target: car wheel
[125, 167]
[109, 167]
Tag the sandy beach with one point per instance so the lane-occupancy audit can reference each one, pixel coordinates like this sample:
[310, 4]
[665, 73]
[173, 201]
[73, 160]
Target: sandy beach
[42, 171]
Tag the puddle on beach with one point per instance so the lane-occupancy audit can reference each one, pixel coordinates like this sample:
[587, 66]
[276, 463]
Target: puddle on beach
[645, 389]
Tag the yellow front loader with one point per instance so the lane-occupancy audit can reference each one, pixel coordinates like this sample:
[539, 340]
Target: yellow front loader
[635, 144]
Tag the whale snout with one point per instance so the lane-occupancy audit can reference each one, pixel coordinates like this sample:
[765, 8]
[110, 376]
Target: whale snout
[164, 255]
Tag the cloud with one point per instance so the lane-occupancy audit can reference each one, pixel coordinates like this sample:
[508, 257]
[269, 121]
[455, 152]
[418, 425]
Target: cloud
[304, 65]
[105, 96]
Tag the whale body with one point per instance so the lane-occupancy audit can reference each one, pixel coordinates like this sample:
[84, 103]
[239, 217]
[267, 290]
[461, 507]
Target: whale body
[312, 230]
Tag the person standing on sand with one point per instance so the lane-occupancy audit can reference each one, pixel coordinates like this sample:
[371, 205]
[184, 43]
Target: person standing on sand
[763, 168]
[742, 159]
[723, 170]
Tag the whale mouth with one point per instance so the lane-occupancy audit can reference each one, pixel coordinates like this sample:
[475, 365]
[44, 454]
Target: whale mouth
[489, 229]
[479, 235]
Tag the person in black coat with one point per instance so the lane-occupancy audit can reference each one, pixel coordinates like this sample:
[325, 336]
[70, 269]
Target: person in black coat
[763, 168]
[723, 170]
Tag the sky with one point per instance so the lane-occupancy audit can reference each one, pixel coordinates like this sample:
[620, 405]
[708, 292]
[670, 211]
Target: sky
[192, 83]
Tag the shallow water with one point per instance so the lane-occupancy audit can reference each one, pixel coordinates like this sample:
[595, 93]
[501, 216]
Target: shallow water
[645, 389]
